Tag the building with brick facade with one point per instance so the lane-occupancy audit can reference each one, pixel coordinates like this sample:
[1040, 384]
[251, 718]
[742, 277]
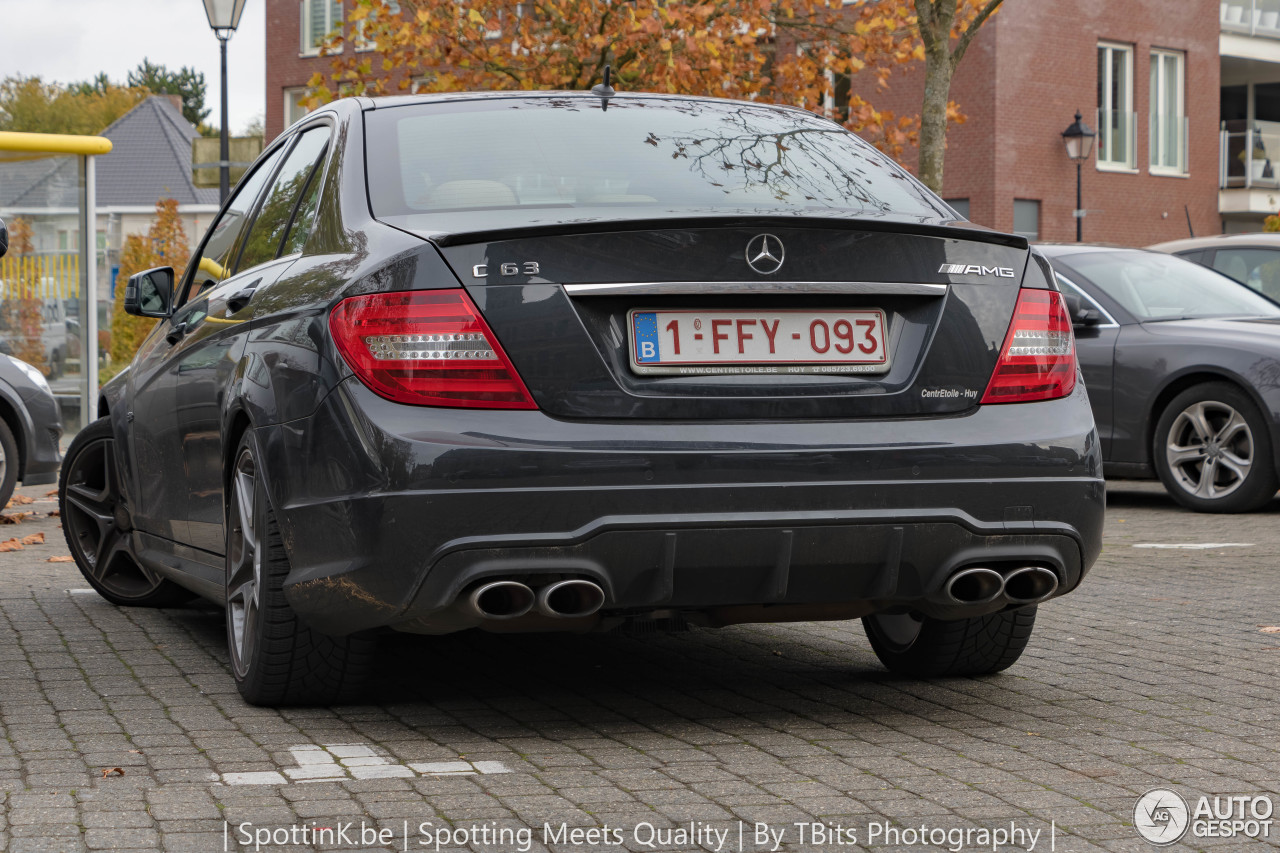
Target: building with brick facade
[1184, 94]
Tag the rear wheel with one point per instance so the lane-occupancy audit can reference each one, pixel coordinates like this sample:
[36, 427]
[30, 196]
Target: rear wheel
[275, 658]
[919, 646]
[1213, 450]
[99, 527]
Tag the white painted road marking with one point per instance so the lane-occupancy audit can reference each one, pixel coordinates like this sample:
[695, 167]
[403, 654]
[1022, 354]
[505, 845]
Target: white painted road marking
[336, 762]
[1195, 546]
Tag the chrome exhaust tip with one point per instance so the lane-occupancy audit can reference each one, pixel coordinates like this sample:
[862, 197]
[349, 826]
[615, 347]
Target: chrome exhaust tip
[1030, 584]
[501, 600]
[570, 599]
[974, 586]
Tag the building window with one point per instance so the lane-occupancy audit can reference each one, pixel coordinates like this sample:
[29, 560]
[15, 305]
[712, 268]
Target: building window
[293, 108]
[319, 19]
[1026, 218]
[393, 8]
[1168, 113]
[839, 91]
[1115, 106]
[960, 206]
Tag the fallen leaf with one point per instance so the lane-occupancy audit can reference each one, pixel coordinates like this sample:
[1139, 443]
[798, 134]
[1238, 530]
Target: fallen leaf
[10, 545]
[19, 500]
[61, 559]
[1271, 629]
[16, 518]
[53, 513]
[52, 494]
[33, 539]
[114, 771]
[136, 751]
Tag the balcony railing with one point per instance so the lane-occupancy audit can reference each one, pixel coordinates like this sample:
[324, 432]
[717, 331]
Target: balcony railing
[1249, 156]
[1251, 17]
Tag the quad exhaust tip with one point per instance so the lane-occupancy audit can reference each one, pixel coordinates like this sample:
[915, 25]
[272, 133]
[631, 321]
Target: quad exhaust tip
[974, 586]
[1030, 584]
[501, 600]
[570, 599]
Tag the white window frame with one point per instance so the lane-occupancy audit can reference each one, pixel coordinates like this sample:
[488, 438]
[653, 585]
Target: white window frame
[1156, 99]
[361, 44]
[1128, 163]
[289, 104]
[304, 25]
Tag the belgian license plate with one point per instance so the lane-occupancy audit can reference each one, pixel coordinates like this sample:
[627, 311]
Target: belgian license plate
[700, 342]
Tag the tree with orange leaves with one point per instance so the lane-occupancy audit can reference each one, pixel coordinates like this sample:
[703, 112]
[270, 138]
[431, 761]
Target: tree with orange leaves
[786, 51]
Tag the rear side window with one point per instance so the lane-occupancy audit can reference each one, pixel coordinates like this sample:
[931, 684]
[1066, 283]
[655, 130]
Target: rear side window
[268, 231]
[701, 156]
[214, 263]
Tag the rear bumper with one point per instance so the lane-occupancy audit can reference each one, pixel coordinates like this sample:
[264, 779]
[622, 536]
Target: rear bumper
[389, 512]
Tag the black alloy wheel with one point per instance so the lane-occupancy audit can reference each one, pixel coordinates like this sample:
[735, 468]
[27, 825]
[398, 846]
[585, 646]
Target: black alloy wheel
[98, 526]
[919, 646]
[275, 658]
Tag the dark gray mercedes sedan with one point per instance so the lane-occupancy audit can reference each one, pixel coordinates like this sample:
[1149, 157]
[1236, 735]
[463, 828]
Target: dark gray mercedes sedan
[590, 362]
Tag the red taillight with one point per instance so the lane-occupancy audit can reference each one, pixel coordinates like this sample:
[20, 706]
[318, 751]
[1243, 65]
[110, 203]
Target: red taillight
[1038, 359]
[428, 348]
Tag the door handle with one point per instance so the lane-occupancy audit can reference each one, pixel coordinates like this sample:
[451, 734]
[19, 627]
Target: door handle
[237, 301]
[177, 332]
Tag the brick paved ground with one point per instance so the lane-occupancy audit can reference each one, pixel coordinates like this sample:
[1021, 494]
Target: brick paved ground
[1154, 674]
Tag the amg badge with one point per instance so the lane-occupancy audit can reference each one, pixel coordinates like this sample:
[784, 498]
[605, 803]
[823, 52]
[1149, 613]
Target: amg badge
[974, 269]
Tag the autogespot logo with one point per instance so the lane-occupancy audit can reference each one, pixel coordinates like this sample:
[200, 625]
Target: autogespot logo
[1161, 816]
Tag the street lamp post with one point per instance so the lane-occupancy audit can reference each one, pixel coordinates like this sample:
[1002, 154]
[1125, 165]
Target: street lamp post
[1079, 141]
[224, 17]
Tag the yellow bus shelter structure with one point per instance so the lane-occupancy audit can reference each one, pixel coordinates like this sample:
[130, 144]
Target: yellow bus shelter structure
[32, 146]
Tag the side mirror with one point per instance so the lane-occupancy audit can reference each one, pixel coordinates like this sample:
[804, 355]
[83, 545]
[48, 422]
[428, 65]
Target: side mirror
[149, 293]
[1082, 316]
[4, 239]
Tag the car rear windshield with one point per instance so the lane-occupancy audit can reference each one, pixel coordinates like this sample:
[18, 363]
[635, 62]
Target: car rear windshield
[1155, 286]
[665, 155]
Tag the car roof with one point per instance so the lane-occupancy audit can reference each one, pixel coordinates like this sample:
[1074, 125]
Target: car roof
[1256, 238]
[1059, 250]
[388, 101]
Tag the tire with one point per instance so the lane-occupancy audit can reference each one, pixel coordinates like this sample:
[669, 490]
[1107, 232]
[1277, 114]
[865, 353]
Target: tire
[275, 658]
[9, 463]
[98, 525]
[1213, 452]
[929, 648]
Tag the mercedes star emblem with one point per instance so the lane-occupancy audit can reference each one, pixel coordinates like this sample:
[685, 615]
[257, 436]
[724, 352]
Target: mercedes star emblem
[765, 254]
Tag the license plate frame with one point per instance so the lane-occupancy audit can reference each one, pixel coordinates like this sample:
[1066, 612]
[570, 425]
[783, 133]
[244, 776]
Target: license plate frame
[792, 341]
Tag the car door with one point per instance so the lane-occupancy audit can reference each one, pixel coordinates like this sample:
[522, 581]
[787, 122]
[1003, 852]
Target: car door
[205, 363]
[1095, 349]
[168, 358]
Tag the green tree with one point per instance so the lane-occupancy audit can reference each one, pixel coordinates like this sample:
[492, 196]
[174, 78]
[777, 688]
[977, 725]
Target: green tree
[185, 82]
[29, 104]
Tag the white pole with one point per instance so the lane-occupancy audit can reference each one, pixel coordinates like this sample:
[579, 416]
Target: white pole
[90, 411]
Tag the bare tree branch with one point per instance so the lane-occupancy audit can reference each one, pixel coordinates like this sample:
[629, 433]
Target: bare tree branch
[962, 44]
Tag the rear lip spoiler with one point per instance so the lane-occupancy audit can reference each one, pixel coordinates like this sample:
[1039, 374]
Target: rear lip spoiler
[944, 228]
